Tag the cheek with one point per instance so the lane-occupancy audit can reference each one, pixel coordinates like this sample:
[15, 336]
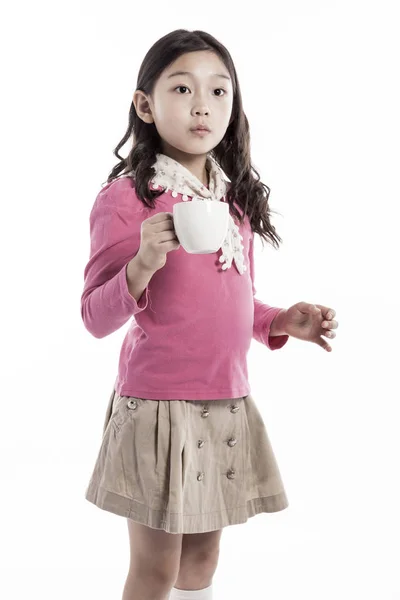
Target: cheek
[169, 111]
[167, 124]
[224, 115]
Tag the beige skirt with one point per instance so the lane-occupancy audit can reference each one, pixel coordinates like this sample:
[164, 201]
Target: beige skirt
[185, 466]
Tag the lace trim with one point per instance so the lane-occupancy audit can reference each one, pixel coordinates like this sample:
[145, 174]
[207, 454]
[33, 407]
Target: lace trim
[231, 248]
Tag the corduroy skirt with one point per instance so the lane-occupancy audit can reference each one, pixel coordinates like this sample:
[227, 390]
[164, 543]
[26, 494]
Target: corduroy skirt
[185, 466]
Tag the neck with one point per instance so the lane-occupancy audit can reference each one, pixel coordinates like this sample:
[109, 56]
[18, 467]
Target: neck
[195, 163]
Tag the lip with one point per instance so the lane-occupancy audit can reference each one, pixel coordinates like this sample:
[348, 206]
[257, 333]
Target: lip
[200, 128]
[200, 132]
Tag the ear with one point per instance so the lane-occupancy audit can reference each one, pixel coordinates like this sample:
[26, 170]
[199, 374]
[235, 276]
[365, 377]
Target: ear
[142, 106]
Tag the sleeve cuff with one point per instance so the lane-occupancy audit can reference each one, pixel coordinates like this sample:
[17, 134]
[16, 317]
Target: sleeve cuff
[130, 301]
[274, 342]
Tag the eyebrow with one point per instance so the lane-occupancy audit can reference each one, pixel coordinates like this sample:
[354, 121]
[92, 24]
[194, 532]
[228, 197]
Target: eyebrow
[188, 73]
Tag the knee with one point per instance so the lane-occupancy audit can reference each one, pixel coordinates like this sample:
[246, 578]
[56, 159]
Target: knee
[161, 575]
[163, 578]
[197, 570]
[202, 561]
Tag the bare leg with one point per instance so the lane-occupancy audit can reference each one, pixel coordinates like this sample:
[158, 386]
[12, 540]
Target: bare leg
[154, 562]
[199, 560]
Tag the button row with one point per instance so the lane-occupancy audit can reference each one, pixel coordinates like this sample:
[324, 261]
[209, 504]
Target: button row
[231, 442]
[231, 473]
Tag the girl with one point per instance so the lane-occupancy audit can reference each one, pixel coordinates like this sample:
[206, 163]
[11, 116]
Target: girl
[185, 451]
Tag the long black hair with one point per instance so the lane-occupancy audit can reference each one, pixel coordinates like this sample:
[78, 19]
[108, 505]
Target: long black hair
[232, 153]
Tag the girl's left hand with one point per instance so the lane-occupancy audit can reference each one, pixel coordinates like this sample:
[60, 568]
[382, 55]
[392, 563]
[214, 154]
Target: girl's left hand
[309, 322]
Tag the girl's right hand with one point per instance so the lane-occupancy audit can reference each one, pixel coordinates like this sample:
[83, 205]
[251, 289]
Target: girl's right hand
[157, 238]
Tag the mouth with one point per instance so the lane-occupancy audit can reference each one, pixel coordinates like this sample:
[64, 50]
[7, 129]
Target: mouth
[200, 128]
[200, 131]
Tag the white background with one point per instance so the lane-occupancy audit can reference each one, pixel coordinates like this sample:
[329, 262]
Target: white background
[320, 87]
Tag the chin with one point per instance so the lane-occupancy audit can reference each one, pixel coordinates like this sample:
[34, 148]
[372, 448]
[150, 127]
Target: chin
[198, 147]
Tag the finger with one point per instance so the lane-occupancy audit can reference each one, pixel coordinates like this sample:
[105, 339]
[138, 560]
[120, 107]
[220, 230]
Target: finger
[329, 334]
[327, 313]
[160, 217]
[324, 344]
[307, 308]
[330, 324]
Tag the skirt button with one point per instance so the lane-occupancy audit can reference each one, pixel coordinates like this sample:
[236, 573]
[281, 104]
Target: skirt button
[132, 404]
[205, 413]
[232, 442]
[200, 476]
[200, 443]
[231, 474]
[234, 409]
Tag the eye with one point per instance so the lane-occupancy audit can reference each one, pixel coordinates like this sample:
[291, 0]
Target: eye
[181, 86]
[185, 87]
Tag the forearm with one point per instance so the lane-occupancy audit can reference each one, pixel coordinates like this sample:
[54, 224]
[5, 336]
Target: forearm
[278, 324]
[107, 307]
[137, 277]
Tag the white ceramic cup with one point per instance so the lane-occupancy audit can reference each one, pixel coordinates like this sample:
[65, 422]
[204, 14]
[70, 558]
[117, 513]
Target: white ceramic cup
[201, 225]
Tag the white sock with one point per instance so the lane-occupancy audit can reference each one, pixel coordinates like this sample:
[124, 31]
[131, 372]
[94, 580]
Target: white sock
[204, 594]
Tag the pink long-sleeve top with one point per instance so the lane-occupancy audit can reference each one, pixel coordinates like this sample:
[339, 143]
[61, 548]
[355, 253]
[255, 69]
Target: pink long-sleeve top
[192, 327]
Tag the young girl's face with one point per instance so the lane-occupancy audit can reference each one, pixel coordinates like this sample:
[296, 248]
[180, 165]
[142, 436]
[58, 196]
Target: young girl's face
[182, 101]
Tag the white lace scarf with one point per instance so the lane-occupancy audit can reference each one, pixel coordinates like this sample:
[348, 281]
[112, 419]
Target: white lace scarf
[171, 175]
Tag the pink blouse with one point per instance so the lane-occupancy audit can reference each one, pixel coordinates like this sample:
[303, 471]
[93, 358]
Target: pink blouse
[192, 327]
